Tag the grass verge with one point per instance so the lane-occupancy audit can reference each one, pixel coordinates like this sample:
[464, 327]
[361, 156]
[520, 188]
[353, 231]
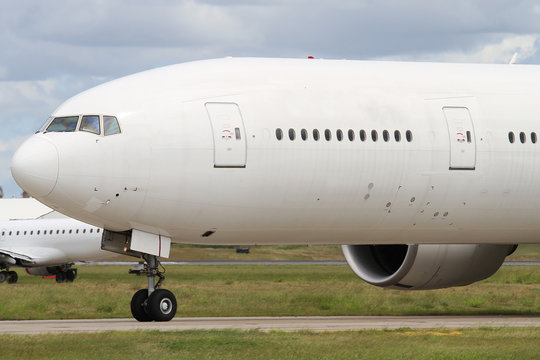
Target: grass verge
[244, 290]
[485, 343]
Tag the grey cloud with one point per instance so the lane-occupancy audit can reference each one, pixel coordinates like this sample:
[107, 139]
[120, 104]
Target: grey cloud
[106, 38]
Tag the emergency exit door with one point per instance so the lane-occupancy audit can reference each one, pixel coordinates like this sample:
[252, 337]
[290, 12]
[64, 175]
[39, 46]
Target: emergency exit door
[230, 146]
[462, 138]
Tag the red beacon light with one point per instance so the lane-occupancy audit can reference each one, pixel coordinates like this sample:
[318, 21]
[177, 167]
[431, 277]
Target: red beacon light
[310, 57]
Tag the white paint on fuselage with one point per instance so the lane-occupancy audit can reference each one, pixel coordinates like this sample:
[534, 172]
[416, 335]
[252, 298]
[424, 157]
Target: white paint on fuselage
[158, 174]
[44, 242]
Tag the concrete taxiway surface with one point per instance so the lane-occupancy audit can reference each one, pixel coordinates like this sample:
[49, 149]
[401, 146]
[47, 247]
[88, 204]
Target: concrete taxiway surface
[313, 323]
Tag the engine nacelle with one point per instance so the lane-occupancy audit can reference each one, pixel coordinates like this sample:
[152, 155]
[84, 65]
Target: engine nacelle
[425, 266]
[44, 270]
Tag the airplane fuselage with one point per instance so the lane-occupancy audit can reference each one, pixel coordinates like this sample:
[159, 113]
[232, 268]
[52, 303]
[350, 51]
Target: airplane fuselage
[225, 152]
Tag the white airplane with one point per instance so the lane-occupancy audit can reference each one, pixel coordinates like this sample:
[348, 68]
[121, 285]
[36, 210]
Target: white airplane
[45, 247]
[427, 174]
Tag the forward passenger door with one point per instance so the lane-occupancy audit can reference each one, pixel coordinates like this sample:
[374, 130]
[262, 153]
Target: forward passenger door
[230, 146]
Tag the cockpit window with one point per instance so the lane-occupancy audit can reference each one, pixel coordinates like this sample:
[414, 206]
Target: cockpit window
[110, 125]
[64, 124]
[44, 126]
[90, 123]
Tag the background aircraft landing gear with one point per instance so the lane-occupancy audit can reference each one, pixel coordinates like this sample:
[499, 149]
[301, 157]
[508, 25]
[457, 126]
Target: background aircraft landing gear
[10, 276]
[152, 304]
[66, 275]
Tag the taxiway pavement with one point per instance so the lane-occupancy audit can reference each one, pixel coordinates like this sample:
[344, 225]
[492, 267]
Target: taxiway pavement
[312, 323]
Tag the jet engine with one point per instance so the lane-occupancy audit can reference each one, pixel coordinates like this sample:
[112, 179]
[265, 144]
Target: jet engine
[43, 270]
[62, 272]
[425, 266]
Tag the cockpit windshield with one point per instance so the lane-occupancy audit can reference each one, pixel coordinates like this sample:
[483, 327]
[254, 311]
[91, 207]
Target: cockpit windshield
[95, 124]
[90, 123]
[63, 124]
[110, 125]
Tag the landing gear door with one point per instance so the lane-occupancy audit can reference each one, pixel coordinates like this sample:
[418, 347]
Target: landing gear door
[462, 138]
[230, 147]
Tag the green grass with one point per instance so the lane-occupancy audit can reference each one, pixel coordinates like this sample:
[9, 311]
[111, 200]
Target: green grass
[526, 252]
[485, 343]
[182, 252]
[105, 292]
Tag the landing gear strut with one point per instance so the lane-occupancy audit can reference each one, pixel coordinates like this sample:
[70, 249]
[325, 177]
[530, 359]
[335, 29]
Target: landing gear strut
[152, 304]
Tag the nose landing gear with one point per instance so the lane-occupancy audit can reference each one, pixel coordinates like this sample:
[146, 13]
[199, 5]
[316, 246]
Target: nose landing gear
[152, 304]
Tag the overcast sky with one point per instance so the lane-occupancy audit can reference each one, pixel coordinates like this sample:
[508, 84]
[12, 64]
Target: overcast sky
[51, 50]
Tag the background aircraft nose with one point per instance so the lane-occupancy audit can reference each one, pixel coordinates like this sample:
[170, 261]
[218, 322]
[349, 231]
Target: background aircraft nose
[35, 166]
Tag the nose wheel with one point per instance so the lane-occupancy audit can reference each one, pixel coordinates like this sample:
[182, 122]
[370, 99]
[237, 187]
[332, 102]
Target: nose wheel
[152, 304]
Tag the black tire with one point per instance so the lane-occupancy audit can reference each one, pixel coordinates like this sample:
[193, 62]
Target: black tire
[3, 276]
[12, 277]
[138, 306]
[162, 305]
[71, 274]
[60, 277]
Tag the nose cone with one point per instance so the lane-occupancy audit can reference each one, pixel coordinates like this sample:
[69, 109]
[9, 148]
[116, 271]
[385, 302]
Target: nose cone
[35, 166]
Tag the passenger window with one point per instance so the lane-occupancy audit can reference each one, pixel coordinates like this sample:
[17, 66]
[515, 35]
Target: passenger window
[522, 137]
[374, 135]
[386, 135]
[351, 135]
[511, 137]
[110, 125]
[408, 135]
[279, 134]
[316, 134]
[292, 134]
[63, 124]
[38, 232]
[17, 233]
[397, 136]
[363, 135]
[303, 133]
[90, 123]
[327, 135]
[339, 135]
[70, 231]
[533, 137]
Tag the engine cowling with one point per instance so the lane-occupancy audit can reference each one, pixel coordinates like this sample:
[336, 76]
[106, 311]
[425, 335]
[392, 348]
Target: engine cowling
[425, 266]
[44, 270]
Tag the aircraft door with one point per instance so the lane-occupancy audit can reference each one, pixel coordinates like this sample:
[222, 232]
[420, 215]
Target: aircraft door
[230, 146]
[462, 138]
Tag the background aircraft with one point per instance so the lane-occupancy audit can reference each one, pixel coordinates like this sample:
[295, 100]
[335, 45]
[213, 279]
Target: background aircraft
[44, 246]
